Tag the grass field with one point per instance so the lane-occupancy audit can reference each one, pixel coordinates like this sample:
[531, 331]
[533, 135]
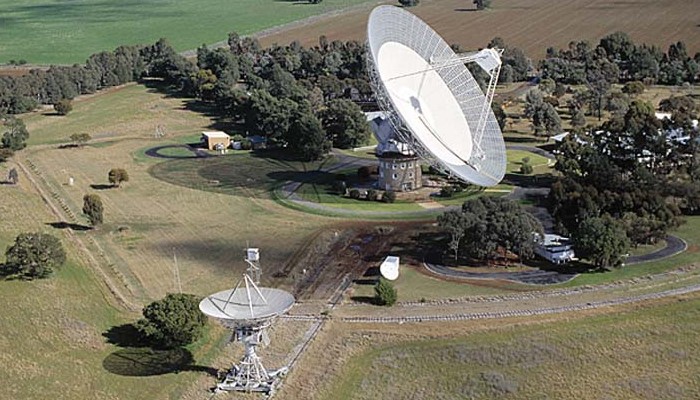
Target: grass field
[647, 353]
[532, 25]
[148, 221]
[59, 32]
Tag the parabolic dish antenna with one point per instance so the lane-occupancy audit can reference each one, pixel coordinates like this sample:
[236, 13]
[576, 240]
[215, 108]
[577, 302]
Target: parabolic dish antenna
[248, 310]
[431, 98]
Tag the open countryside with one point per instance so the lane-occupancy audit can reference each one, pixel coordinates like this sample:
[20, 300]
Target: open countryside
[57, 32]
[621, 326]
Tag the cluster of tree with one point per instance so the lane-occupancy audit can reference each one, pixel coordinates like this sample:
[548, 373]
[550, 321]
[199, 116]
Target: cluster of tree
[489, 228]
[125, 64]
[299, 98]
[173, 321]
[516, 66]
[631, 170]
[33, 255]
[617, 59]
[544, 117]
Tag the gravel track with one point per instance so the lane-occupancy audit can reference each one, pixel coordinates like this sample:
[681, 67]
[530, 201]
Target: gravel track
[528, 312]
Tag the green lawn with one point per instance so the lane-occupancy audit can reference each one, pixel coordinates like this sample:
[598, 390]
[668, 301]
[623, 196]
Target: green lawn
[66, 32]
[515, 157]
[412, 285]
[649, 353]
[129, 111]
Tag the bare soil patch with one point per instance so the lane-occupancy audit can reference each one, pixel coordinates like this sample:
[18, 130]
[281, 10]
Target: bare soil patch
[532, 25]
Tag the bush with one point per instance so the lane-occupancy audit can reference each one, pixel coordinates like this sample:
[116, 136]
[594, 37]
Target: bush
[447, 191]
[408, 3]
[340, 187]
[389, 197]
[384, 293]
[355, 194]
[525, 168]
[173, 321]
[363, 172]
[372, 195]
[63, 106]
[246, 144]
[34, 255]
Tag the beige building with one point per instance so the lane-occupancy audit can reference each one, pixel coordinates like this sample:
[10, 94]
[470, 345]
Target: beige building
[216, 140]
[399, 172]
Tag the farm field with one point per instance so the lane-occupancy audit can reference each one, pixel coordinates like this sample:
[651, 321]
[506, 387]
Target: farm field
[532, 25]
[578, 357]
[57, 32]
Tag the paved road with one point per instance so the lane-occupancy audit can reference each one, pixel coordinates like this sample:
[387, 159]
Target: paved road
[674, 245]
[537, 277]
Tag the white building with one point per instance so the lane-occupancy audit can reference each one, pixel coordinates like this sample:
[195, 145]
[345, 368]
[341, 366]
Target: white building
[556, 249]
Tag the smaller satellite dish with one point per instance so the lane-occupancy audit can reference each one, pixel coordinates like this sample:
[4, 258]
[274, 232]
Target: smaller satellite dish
[390, 268]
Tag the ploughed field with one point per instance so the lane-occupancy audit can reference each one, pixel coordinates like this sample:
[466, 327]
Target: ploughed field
[532, 25]
[60, 32]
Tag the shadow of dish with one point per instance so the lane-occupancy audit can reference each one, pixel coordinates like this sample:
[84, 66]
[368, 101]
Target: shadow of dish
[144, 361]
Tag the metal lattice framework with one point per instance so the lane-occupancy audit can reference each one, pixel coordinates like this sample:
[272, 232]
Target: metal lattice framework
[249, 311]
[485, 165]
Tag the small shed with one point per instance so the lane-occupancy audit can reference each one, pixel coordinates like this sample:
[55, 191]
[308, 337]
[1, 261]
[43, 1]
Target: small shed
[214, 138]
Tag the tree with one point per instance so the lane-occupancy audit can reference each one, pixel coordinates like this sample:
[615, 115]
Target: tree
[63, 106]
[499, 113]
[15, 135]
[578, 119]
[372, 195]
[601, 240]
[633, 88]
[79, 139]
[13, 176]
[389, 197]
[408, 3]
[354, 194]
[525, 167]
[173, 321]
[117, 175]
[543, 115]
[384, 293]
[5, 154]
[93, 209]
[306, 139]
[482, 4]
[345, 124]
[34, 255]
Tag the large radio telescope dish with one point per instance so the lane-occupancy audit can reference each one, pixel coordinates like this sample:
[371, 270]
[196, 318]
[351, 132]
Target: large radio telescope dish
[431, 98]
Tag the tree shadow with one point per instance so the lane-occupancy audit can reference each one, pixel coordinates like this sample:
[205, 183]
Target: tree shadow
[364, 299]
[125, 335]
[136, 358]
[465, 9]
[69, 225]
[68, 146]
[144, 361]
[529, 181]
[101, 186]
